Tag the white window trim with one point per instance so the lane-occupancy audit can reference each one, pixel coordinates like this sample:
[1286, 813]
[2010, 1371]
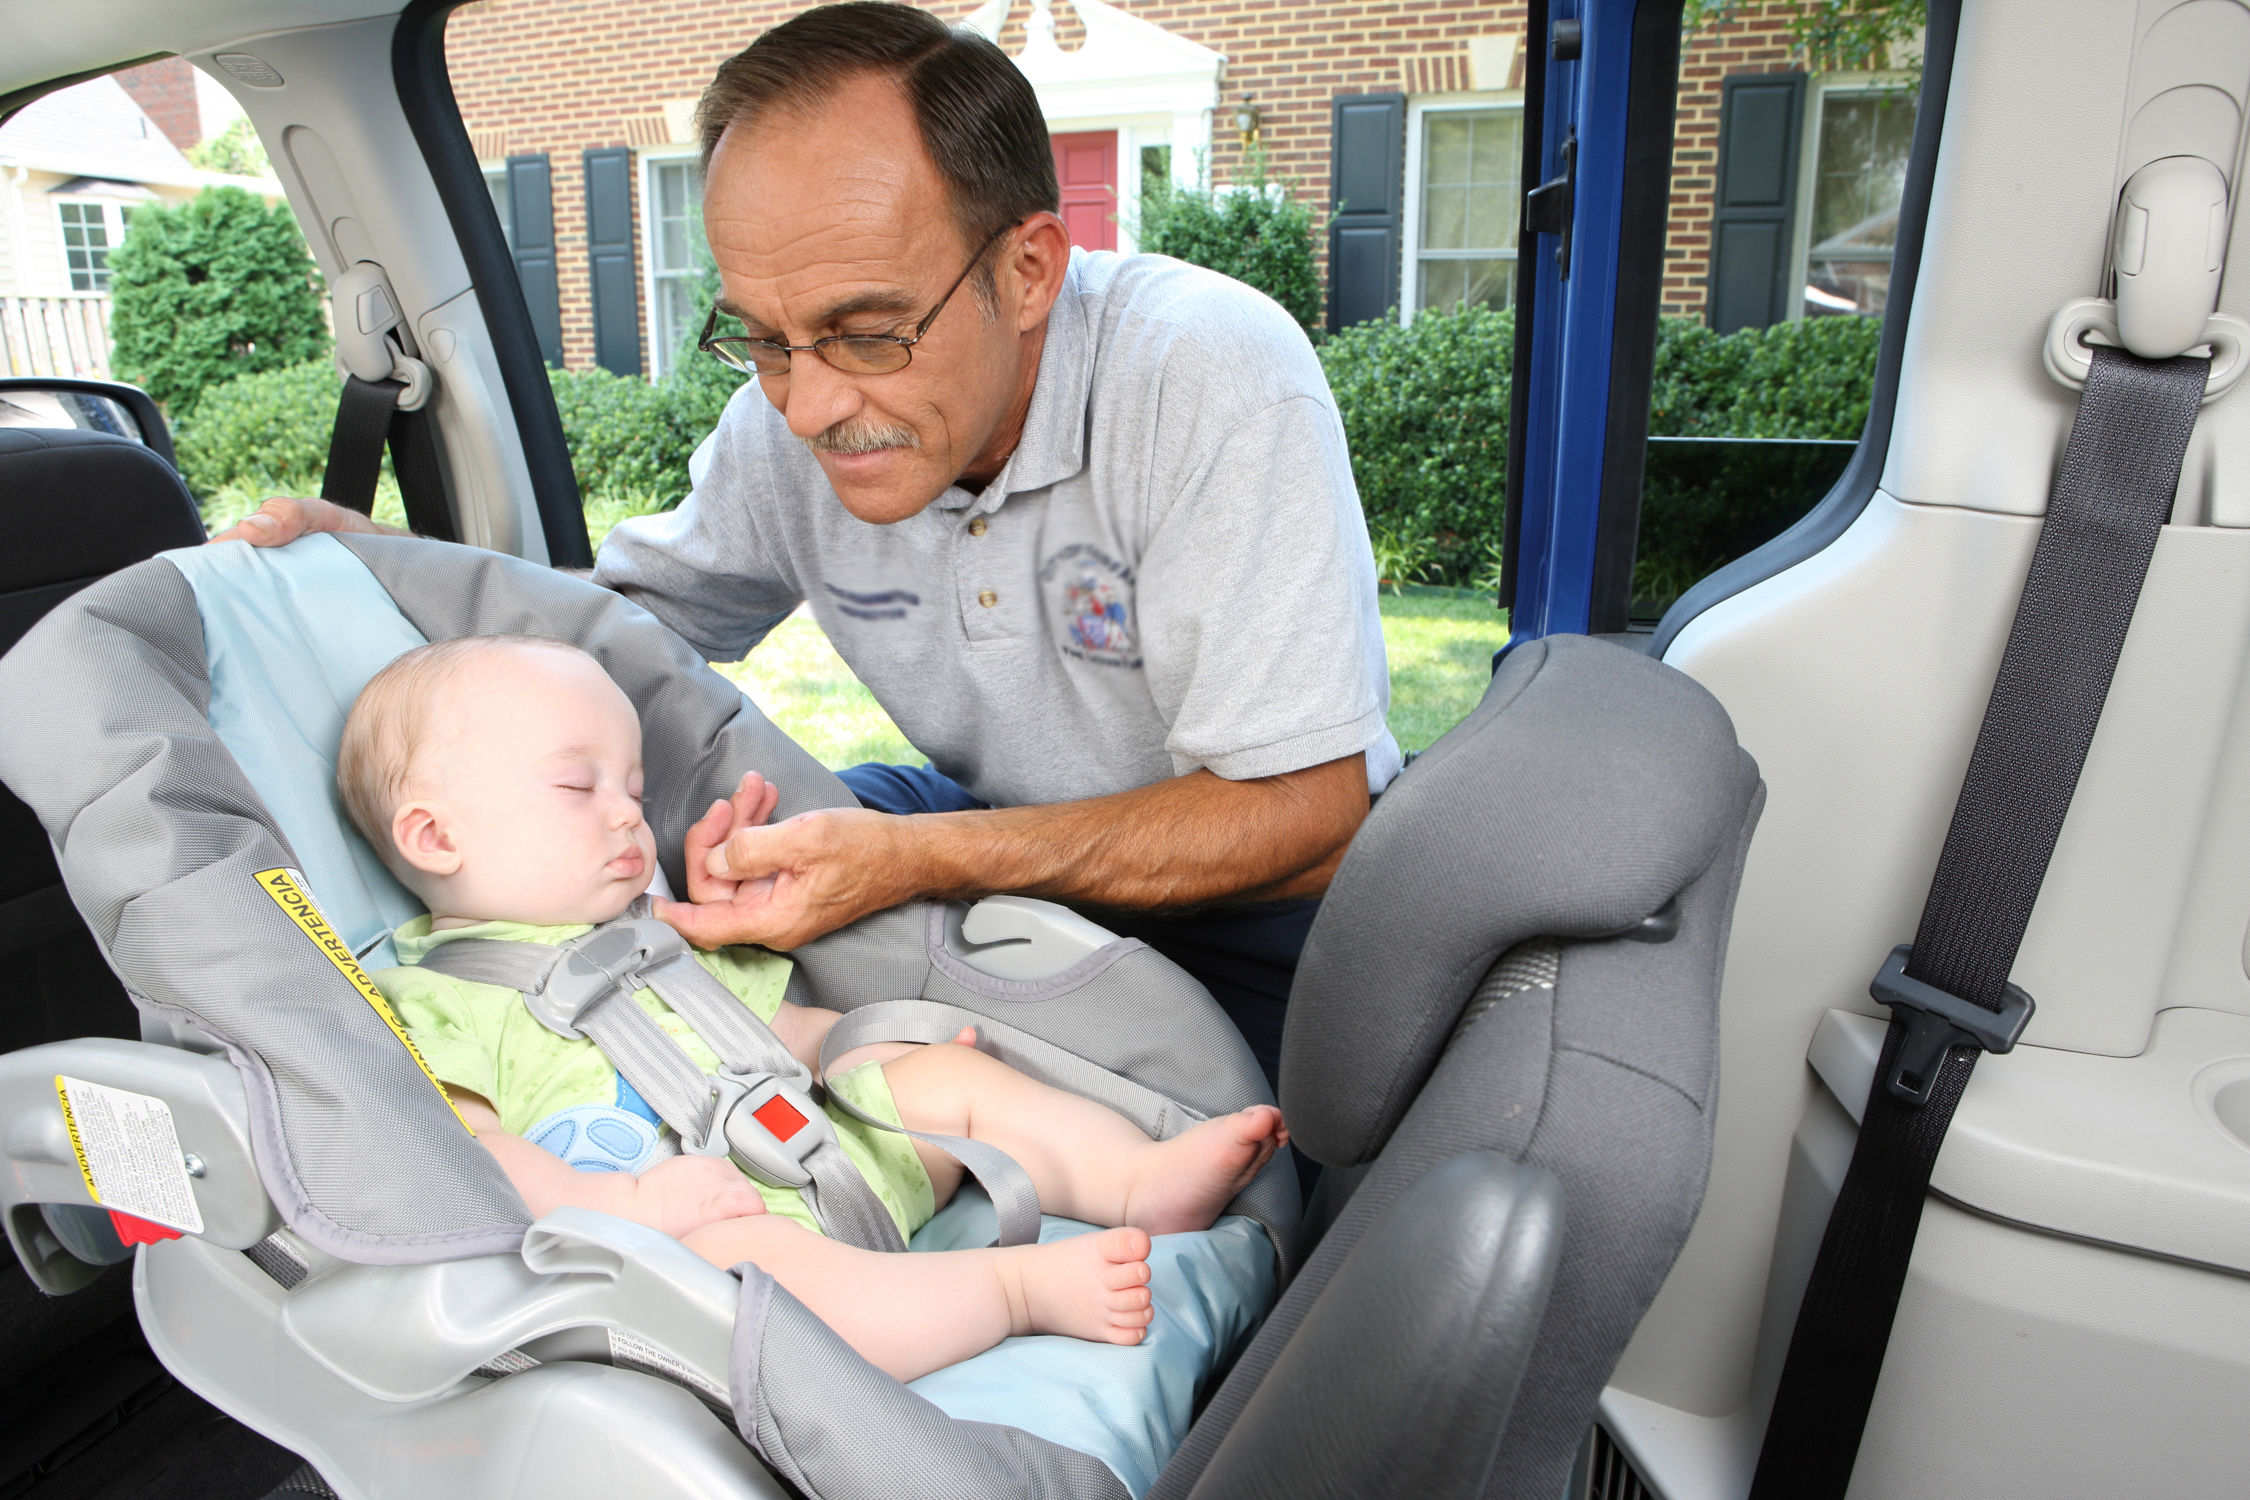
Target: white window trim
[1133, 132]
[647, 161]
[1817, 90]
[113, 223]
[1418, 108]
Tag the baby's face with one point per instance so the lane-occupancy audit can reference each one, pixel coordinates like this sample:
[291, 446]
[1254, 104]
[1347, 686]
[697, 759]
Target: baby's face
[532, 794]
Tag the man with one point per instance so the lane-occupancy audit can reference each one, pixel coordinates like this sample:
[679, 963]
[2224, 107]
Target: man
[1084, 524]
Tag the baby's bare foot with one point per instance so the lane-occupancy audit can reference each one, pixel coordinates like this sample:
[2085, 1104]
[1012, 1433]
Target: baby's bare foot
[1093, 1286]
[1184, 1182]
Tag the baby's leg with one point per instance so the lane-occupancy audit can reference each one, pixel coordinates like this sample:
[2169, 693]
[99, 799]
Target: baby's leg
[911, 1314]
[1087, 1161]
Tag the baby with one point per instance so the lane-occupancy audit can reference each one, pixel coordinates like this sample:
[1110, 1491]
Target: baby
[500, 778]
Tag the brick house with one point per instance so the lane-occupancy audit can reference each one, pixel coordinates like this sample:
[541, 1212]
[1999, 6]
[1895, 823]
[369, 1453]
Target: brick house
[1403, 116]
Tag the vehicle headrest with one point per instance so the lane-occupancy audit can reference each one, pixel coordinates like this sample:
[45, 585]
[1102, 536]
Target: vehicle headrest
[80, 505]
[1588, 788]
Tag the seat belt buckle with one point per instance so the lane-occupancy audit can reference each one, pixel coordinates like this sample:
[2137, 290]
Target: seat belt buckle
[768, 1125]
[1937, 1022]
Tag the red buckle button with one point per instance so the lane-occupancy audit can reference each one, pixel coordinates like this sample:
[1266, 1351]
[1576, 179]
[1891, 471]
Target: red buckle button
[780, 1117]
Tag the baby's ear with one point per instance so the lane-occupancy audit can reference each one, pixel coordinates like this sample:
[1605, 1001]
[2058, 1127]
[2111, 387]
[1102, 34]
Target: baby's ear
[422, 839]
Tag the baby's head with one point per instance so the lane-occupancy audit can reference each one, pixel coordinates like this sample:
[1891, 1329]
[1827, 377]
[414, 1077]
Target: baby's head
[499, 777]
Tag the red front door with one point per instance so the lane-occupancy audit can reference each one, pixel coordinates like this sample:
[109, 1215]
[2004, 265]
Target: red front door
[1086, 169]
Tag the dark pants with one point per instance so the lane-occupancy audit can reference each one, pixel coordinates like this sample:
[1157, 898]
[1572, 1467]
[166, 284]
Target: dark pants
[1246, 957]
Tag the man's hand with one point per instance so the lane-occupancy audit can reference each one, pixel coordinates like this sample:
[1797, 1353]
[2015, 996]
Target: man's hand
[282, 520]
[1189, 841]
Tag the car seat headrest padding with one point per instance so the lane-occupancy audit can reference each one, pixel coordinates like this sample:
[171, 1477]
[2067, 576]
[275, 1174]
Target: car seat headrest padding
[1588, 788]
[162, 840]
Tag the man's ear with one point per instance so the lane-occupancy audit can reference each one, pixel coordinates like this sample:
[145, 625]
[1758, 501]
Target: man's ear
[1037, 259]
[421, 835]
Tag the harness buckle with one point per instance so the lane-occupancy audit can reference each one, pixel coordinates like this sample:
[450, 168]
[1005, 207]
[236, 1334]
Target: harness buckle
[1937, 1022]
[605, 960]
[768, 1125]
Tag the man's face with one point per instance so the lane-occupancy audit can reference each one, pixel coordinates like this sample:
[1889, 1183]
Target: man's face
[835, 221]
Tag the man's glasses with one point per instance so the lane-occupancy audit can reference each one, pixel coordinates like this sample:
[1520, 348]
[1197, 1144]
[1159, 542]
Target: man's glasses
[853, 353]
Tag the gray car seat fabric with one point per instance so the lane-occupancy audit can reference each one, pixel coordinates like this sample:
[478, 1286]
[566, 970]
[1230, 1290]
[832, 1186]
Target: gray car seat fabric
[1423, 1333]
[1465, 981]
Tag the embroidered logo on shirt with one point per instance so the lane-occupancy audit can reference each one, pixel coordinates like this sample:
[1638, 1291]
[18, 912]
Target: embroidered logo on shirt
[891, 604]
[1095, 592]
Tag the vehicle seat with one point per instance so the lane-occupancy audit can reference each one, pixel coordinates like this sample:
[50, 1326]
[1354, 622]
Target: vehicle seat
[79, 506]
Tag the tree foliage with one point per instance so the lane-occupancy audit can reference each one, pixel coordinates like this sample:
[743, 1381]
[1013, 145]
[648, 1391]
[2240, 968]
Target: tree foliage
[1840, 36]
[236, 150]
[217, 287]
[1256, 230]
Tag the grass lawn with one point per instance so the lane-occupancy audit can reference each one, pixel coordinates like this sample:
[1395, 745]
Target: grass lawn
[1440, 646]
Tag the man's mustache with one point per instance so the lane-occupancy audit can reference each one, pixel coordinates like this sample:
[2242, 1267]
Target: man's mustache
[855, 437]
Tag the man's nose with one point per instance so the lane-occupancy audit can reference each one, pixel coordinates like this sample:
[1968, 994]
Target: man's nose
[818, 396]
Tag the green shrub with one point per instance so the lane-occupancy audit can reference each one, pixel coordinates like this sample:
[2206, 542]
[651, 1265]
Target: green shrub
[235, 149]
[632, 436]
[1259, 232]
[1793, 380]
[264, 432]
[1425, 408]
[217, 287]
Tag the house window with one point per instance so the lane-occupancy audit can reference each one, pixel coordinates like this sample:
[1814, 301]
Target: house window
[1859, 175]
[496, 183]
[673, 213]
[90, 230]
[1464, 195]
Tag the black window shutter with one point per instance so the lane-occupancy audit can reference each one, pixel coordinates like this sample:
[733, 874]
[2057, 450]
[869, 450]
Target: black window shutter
[609, 260]
[531, 218]
[1367, 188]
[1754, 213]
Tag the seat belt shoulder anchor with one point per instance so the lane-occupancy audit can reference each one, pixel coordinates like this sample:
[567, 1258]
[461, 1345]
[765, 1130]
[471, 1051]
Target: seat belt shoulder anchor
[1937, 1022]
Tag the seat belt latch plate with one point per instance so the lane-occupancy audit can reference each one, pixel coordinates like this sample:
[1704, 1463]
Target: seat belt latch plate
[608, 960]
[1937, 1022]
[768, 1125]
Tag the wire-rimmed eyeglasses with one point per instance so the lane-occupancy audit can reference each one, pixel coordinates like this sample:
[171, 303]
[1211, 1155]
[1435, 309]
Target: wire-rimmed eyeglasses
[853, 353]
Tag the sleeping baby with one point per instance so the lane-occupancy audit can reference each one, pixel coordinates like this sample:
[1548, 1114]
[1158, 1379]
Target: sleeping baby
[499, 777]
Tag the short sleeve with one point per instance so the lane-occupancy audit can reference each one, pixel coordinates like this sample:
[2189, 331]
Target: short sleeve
[703, 568]
[1263, 644]
[438, 1015]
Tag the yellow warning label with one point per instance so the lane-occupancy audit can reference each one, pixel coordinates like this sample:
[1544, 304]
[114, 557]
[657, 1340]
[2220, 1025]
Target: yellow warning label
[287, 888]
[77, 1144]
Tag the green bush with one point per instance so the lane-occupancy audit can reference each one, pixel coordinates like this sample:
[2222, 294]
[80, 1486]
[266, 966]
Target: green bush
[1793, 380]
[632, 436]
[1425, 408]
[267, 432]
[217, 287]
[1259, 232]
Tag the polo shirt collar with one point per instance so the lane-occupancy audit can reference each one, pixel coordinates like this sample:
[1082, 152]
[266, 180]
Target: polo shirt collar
[1053, 446]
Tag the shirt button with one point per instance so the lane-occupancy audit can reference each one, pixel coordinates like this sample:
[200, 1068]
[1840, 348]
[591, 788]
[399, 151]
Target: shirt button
[976, 527]
[987, 598]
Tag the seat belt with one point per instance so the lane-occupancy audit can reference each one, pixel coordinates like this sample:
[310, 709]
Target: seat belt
[1948, 990]
[759, 1109]
[385, 398]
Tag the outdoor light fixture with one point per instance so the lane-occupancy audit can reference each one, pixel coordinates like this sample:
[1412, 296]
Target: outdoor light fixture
[1246, 120]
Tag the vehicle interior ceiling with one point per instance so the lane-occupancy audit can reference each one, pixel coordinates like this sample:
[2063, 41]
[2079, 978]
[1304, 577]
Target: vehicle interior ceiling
[2086, 1254]
[2086, 1250]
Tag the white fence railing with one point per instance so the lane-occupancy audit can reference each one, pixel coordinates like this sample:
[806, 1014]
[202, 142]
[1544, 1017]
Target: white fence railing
[67, 335]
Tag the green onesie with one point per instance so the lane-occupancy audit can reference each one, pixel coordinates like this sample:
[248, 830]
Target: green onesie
[479, 1037]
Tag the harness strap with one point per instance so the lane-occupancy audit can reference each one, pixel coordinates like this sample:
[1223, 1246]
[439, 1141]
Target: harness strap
[1009, 1186]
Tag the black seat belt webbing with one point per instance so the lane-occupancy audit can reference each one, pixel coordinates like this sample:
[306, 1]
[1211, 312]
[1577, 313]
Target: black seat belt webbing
[367, 415]
[2111, 496]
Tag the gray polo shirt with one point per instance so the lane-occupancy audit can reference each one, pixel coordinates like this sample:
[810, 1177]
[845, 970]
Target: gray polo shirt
[1171, 572]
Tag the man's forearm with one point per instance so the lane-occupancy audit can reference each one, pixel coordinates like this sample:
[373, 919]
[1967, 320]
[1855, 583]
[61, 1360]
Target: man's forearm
[1190, 841]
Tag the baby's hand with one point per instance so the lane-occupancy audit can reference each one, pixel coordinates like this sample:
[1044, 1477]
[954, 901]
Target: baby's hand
[684, 1193]
[751, 805]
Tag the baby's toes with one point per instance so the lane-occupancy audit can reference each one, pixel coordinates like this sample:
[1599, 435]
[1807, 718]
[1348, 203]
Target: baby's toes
[1131, 1304]
[1119, 1278]
[1124, 1246]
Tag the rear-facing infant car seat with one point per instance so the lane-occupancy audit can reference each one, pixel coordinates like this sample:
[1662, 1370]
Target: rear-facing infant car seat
[362, 1285]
